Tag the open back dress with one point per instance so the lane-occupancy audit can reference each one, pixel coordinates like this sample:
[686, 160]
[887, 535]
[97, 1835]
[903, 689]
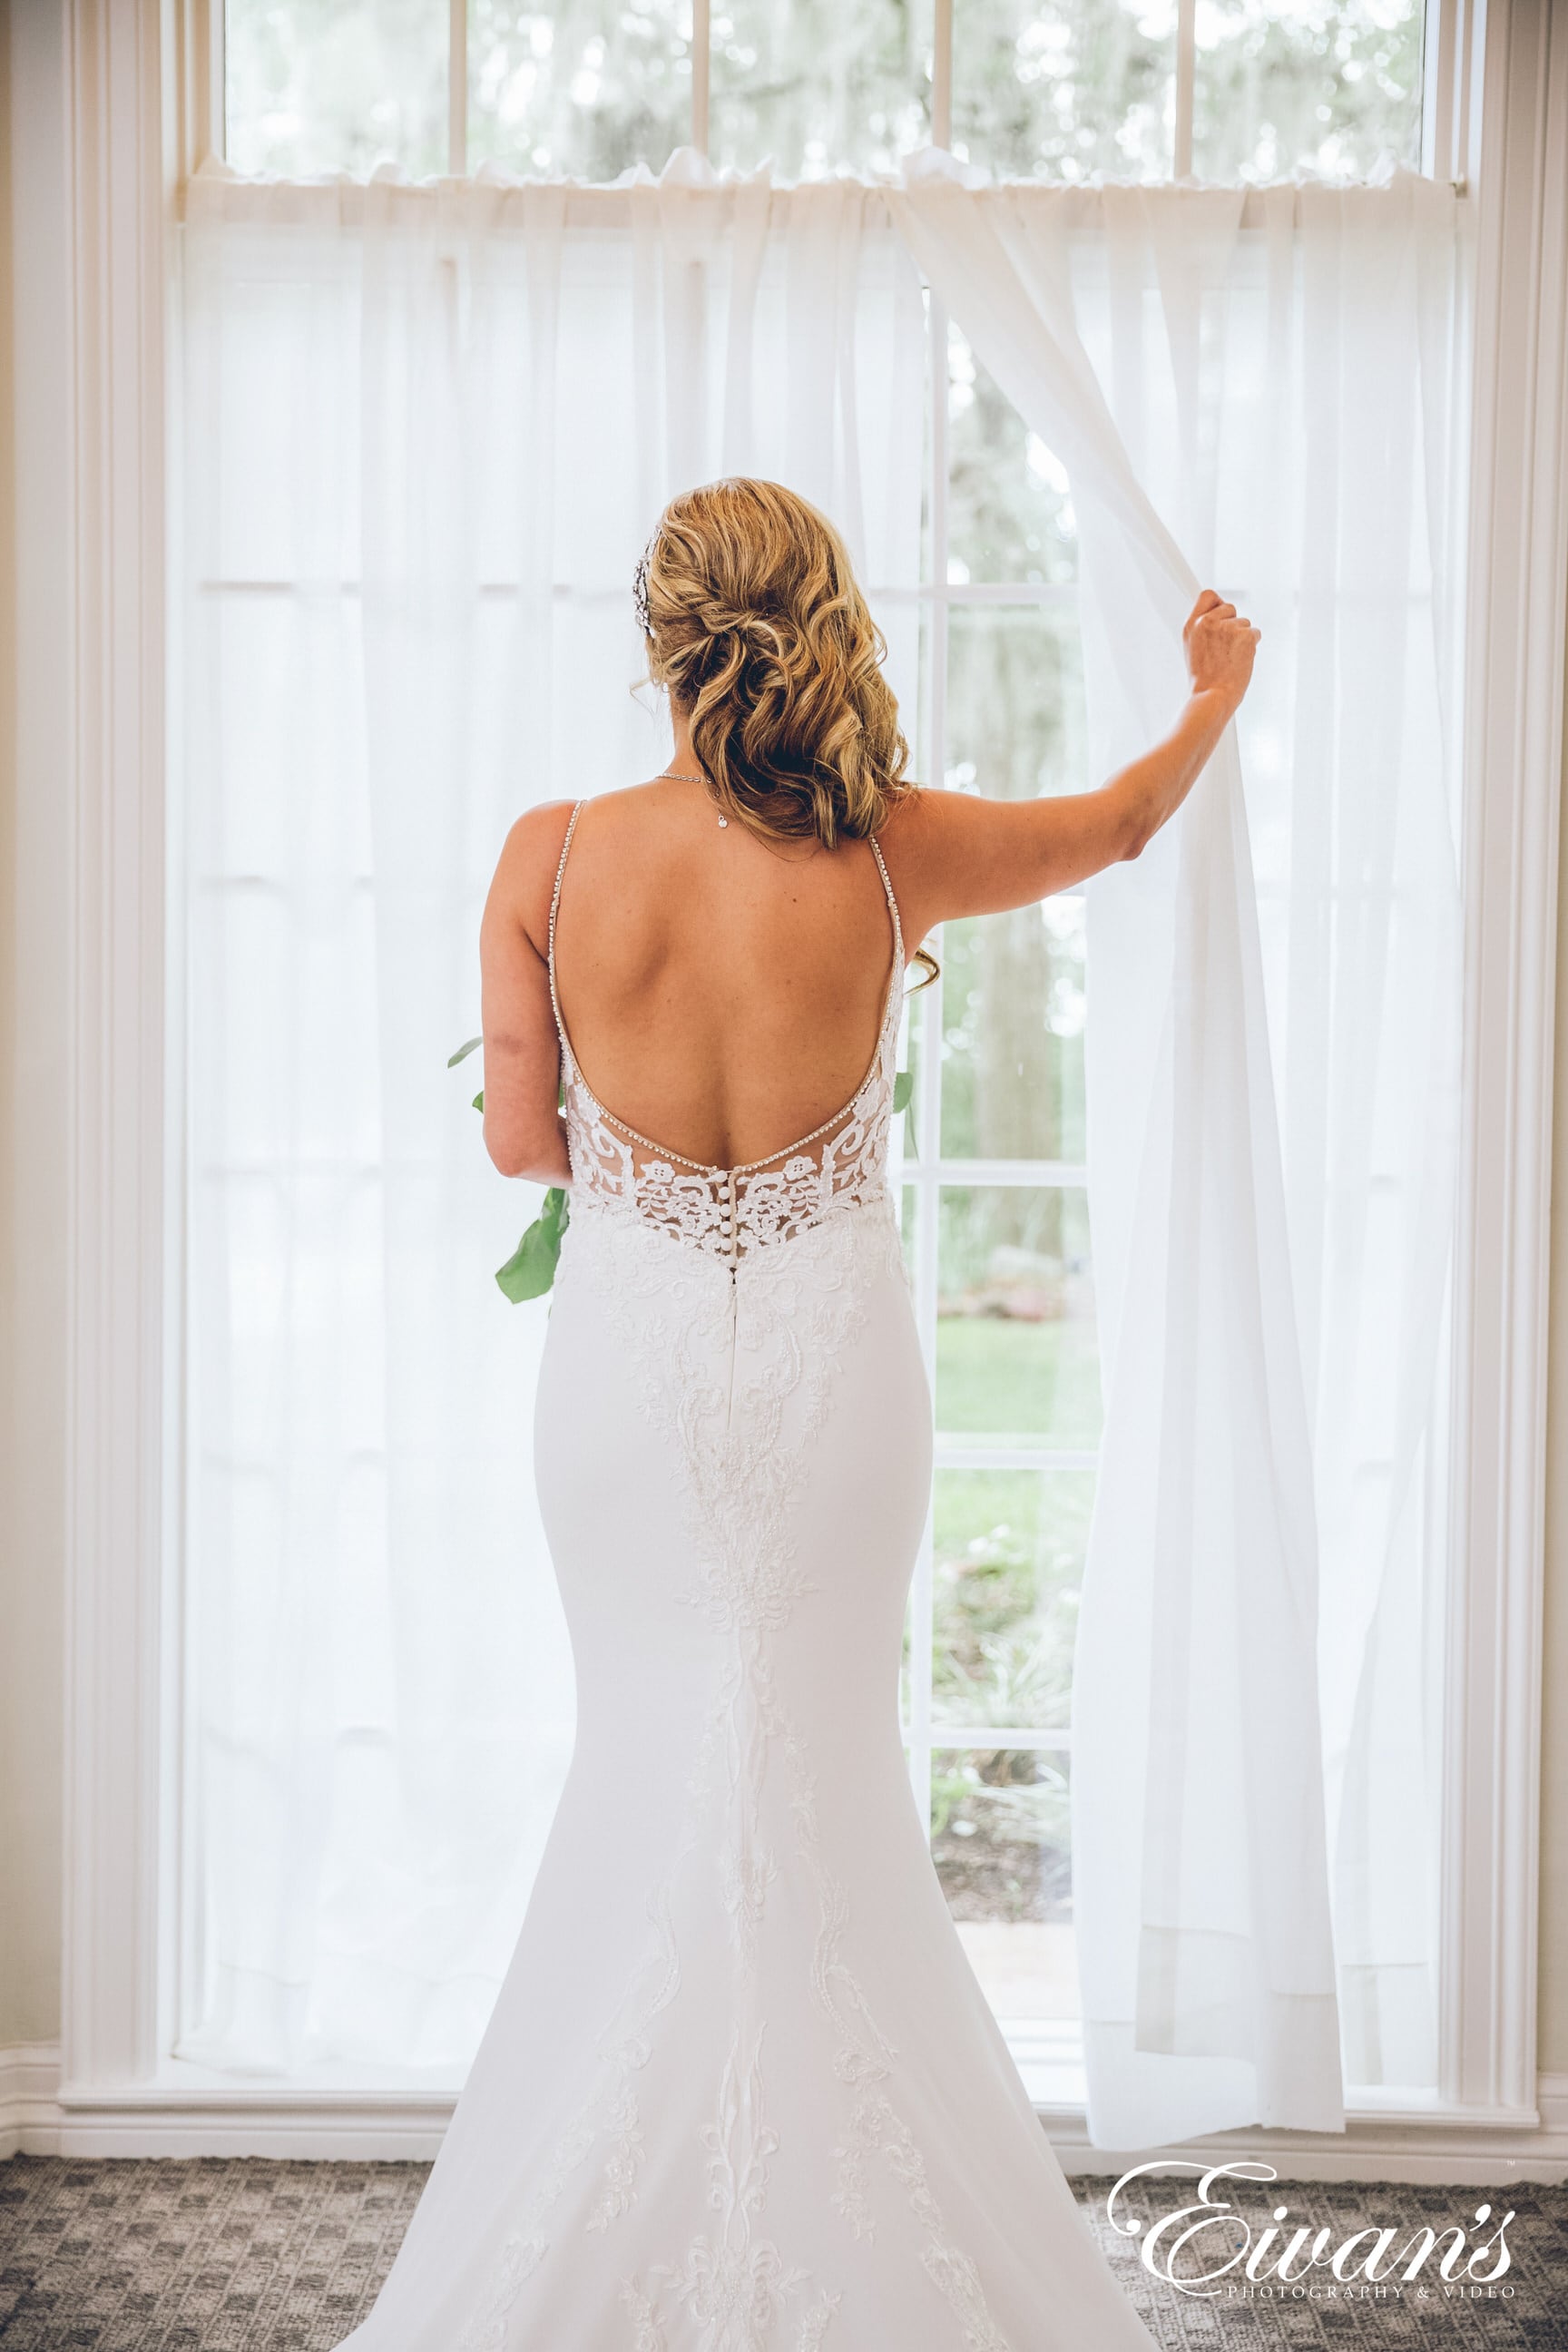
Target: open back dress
[740, 2091]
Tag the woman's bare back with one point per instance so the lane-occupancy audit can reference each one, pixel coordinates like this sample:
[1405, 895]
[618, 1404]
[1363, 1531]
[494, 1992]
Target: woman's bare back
[723, 996]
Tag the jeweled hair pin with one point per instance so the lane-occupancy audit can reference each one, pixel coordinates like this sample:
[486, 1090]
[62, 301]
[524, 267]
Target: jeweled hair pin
[639, 593]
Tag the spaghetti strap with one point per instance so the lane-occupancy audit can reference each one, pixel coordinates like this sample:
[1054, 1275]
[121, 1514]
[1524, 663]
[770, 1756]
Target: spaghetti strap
[892, 909]
[550, 957]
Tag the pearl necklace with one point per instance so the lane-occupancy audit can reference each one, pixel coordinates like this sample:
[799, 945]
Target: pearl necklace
[676, 778]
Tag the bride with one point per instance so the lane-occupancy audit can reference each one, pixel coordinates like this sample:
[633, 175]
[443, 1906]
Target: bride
[740, 2091]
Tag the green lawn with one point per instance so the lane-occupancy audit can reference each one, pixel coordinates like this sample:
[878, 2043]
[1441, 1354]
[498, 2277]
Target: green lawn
[1005, 1377]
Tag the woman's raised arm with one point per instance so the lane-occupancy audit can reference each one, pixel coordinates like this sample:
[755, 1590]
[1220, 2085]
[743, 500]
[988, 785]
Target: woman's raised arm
[954, 853]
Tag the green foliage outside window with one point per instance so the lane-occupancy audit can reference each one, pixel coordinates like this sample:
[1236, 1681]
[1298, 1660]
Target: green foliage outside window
[587, 88]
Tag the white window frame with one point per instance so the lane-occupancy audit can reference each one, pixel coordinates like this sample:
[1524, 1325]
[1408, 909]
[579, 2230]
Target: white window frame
[1444, 116]
[149, 71]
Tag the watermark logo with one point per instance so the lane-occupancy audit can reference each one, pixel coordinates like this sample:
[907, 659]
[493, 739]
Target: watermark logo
[1195, 2248]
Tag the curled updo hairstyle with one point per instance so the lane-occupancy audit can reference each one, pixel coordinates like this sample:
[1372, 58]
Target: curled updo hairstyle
[757, 627]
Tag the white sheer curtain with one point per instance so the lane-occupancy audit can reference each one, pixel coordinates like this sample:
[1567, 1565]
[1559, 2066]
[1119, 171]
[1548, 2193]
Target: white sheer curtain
[1278, 407]
[427, 430]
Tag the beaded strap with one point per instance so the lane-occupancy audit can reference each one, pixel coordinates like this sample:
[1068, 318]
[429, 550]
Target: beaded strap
[554, 903]
[892, 906]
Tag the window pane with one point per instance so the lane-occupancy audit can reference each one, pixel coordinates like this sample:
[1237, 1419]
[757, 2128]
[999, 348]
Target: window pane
[1013, 1019]
[1017, 1353]
[1009, 1549]
[818, 86]
[585, 87]
[1001, 1844]
[1009, 515]
[1013, 1003]
[1015, 701]
[905, 1140]
[1000, 1833]
[1288, 85]
[909, 1224]
[909, 1215]
[1087, 86]
[336, 85]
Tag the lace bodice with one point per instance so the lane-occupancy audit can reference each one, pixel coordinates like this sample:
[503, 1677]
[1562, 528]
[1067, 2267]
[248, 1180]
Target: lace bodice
[731, 1212]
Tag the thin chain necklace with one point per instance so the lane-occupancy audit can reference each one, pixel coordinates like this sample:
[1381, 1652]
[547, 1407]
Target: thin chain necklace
[674, 777]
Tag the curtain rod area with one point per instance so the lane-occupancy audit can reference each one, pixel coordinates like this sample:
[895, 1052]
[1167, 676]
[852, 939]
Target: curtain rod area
[224, 194]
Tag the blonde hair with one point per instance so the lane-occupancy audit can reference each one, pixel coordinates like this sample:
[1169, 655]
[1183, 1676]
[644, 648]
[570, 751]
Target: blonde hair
[756, 625]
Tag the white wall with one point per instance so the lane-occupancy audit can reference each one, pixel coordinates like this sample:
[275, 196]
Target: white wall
[34, 736]
[1554, 1946]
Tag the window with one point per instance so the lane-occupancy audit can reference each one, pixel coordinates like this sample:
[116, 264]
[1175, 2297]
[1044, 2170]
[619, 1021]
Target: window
[1142, 89]
[996, 1218]
[994, 1182]
[161, 85]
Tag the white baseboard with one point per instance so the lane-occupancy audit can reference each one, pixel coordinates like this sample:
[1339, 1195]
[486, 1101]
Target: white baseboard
[177, 2120]
[29, 2097]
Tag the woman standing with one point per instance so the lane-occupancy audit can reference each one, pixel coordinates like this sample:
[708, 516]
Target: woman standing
[740, 2090]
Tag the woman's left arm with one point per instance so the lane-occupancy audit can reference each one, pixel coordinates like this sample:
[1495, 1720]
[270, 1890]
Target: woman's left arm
[523, 1130]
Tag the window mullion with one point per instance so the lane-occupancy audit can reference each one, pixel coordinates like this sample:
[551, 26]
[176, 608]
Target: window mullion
[941, 76]
[1448, 120]
[457, 89]
[701, 60]
[923, 1632]
[1186, 66]
[198, 88]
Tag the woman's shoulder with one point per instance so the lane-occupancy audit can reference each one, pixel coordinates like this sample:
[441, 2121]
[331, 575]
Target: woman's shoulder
[532, 853]
[529, 860]
[543, 827]
[918, 822]
[918, 838]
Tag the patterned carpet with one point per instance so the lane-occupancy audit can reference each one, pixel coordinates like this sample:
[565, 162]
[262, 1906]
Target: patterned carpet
[215, 2255]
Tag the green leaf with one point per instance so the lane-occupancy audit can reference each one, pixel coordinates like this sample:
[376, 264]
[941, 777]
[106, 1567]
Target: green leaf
[479, 1099]
[530, 1270]
[463, 1052]
[903, 1100]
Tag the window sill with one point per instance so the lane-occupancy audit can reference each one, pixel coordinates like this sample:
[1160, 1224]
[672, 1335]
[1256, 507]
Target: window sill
[193, 2111]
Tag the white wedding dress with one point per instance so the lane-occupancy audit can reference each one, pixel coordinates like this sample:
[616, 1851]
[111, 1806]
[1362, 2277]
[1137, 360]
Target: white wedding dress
[740, 2091]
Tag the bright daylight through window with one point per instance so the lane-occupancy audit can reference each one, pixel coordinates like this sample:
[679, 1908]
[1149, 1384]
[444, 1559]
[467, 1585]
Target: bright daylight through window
[993, 1183]
[591, 86]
